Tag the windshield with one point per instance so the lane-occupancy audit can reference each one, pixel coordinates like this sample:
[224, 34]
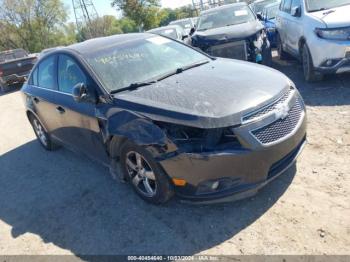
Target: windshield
[185, 24]
[225, 17]
[259, 6]
[271, 12]
[317, 5]
[166, 32]
[141, 61]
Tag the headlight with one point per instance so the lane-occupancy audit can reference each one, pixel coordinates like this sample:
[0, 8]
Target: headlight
[333, 34]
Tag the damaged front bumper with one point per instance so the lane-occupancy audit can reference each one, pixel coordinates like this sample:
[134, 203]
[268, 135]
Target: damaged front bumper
[228, 175]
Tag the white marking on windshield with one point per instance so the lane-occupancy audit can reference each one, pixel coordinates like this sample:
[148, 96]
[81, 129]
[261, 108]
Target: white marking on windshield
[241, 12]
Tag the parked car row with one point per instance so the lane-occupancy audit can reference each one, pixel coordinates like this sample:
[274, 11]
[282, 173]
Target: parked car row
[170, 118]
[315, 32]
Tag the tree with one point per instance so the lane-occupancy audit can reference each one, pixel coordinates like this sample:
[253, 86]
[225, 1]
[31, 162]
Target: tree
[31, 24]
[145, 13]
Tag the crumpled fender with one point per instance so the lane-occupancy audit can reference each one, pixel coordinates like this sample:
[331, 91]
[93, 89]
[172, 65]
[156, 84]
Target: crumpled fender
[141, 131]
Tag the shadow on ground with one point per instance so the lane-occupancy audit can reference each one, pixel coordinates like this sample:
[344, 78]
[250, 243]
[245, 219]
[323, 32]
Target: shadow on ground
[334, 90]
[72, 202]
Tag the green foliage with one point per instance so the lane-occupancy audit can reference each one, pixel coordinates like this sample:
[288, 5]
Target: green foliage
[145, 13]
[32, 24]
[39, 24]
[175, 14]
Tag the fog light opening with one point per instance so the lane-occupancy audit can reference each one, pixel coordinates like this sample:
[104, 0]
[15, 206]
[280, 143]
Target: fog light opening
[179, 182]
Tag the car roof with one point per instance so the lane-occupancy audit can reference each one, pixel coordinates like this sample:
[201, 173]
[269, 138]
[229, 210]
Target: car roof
[223, 7]
[12, 51]
[96, 44]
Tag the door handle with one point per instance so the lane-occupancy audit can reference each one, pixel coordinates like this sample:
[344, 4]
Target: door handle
[36, 100]
[60, 110]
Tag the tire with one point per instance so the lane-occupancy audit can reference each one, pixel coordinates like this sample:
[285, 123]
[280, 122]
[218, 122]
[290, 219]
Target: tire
[3, 87]
[144, 174]
[282, 55]
[310, 74]
[42, 135]
[266, 54]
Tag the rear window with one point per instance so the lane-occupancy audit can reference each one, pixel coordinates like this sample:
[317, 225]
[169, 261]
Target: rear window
[11, 55]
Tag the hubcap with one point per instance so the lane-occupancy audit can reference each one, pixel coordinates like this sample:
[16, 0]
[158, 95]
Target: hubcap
[141, 174]
[39, 130]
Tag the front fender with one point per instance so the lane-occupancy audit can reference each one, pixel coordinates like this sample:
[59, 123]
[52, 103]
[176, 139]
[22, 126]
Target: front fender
[141, 131]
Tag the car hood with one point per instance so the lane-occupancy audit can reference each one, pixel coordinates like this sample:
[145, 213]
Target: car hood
[339, 18]
[213, 95]
[228, 33]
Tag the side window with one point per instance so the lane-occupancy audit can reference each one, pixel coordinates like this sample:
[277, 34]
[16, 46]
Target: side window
[69, 74]
[34, 78]
[295, 3]
[287, 6]
[46, 74]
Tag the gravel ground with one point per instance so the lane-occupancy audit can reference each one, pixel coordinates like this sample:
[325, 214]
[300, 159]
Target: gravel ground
[63, 203]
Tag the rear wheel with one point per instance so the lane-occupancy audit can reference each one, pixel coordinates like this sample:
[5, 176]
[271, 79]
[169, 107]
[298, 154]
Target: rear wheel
[310, 74]
[146, 177]
[266, 54]
[42, 135]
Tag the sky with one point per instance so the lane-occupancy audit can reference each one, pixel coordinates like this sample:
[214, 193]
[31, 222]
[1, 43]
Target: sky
[103, 7]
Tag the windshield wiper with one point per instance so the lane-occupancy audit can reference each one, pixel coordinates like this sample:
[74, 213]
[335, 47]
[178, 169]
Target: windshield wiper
[181, 69]
[319, 9]
[133, 86]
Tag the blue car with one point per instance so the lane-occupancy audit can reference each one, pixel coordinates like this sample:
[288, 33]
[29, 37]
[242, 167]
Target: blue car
[268, 17]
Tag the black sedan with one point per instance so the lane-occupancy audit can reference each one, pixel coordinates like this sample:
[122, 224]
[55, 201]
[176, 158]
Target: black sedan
[167, 118]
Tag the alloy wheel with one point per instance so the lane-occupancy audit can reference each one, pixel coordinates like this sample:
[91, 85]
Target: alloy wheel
[141, 174]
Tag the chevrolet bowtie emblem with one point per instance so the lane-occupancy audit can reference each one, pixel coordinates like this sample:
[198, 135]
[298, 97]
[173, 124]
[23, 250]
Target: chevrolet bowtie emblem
[282, 111]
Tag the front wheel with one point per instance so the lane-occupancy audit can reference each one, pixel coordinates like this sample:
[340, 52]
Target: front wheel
[282, 55]
[146, 177]
[310, 74]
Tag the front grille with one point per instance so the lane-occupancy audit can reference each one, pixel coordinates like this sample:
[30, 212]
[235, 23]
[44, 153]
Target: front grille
[280, 128]
[268, 109]
[235, 50]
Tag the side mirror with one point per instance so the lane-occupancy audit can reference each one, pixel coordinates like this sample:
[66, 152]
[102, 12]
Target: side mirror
[81, 94]
[259, 16]
[193, 29]
[296, 11]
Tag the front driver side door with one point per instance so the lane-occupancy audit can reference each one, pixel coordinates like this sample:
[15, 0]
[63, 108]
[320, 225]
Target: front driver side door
[79, 125]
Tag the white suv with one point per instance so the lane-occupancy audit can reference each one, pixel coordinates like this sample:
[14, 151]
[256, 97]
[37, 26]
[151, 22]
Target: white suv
[318, 33]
